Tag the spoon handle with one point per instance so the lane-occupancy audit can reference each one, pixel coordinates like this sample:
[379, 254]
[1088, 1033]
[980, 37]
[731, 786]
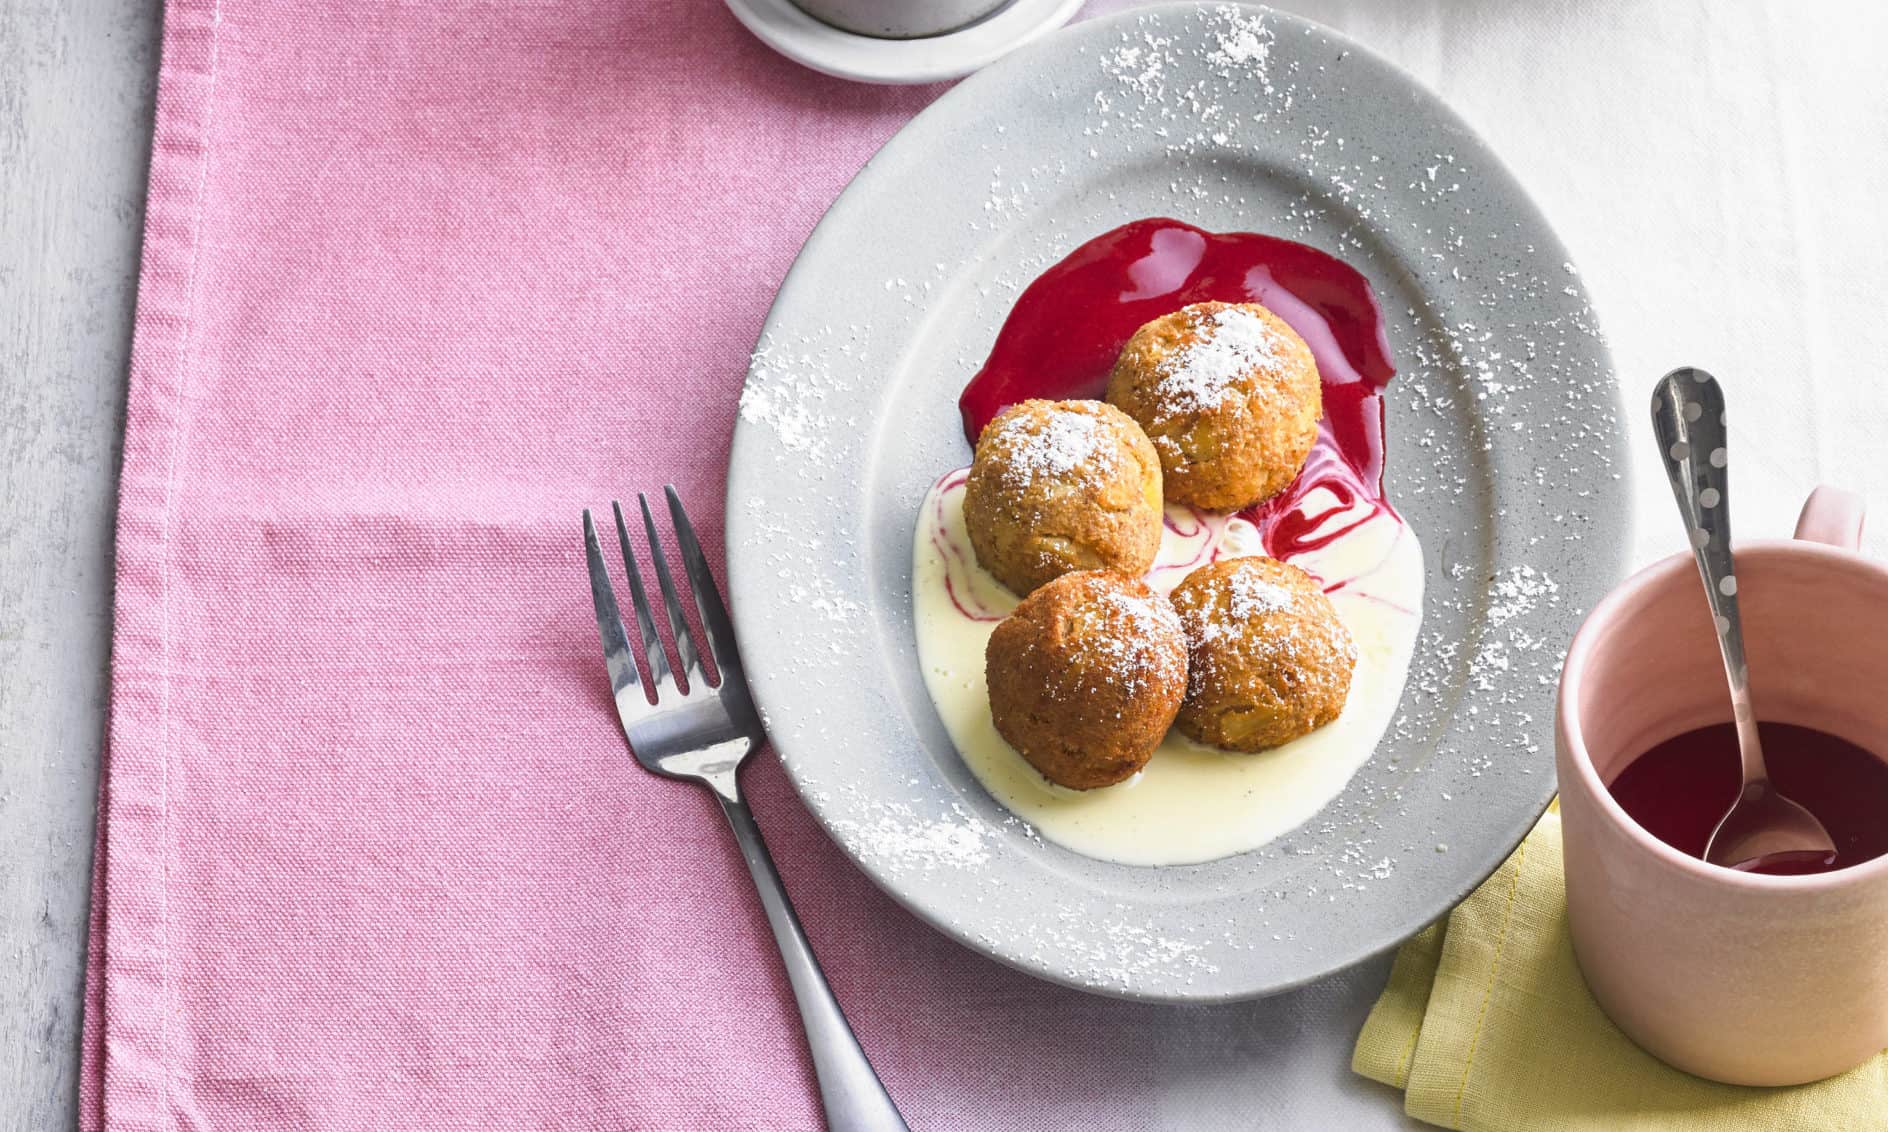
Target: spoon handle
[1688, 417]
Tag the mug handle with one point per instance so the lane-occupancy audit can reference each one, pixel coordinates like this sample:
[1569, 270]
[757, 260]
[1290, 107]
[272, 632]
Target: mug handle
[1833, 516]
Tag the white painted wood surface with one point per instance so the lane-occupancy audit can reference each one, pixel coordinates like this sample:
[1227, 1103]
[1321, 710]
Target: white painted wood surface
[76, 85]
[1716, 170]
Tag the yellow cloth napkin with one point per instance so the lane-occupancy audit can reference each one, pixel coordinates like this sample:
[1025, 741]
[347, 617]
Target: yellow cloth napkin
[1487, 1026]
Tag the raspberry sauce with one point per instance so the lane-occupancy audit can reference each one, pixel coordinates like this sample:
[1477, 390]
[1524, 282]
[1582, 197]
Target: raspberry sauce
[1679, 789]
[1066, 329]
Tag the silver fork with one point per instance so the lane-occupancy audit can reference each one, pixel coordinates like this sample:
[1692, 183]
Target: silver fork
[702, 734]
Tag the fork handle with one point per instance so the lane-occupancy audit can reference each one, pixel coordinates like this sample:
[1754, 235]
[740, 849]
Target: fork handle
[849, 1090]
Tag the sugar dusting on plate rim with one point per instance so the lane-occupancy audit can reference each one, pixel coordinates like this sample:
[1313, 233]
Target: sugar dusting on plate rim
[1245, 102]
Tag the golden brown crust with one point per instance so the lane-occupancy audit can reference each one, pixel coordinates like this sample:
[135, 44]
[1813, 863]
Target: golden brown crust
[1229, 395]
[1268, 661]
[1063, 485]
[1085, 677]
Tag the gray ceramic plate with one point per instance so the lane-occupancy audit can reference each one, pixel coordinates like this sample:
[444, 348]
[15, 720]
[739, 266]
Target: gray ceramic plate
[1503, 444]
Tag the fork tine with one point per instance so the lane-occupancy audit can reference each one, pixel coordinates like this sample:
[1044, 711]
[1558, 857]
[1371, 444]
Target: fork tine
[714, 615]
[686, 655]
[651, 643]
[616, 651]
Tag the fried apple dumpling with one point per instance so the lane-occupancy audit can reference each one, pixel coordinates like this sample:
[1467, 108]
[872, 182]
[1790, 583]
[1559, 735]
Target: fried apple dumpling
[1057, 486]
[1085, 677]
[1229, 395]
[1268, 661]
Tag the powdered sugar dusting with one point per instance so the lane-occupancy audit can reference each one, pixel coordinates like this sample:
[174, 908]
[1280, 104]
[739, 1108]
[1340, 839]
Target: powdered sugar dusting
[1243, 45]
[1514, 594]
[1517, 590]
[896, 836]
[787, 393]
[1062, 443]
[1242, 616]
[1252, 596]
[1142, 641]
[1116, 952]
[1232, 343]
[1141, 67]
[1143, 615]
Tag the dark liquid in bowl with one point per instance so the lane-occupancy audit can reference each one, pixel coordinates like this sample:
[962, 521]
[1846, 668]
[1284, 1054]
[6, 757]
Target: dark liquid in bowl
[1679, 789]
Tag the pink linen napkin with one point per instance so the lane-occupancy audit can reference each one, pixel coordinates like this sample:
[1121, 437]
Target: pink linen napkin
[420, 281]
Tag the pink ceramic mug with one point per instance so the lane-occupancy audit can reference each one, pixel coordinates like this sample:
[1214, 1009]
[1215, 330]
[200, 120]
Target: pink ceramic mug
[1751, 979]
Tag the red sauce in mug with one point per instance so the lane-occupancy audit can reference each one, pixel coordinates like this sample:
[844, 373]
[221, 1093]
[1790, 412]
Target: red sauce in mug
[1067, 328]
[1679, 789]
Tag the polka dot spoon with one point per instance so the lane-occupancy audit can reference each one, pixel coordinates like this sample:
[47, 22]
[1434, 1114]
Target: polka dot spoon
[1688, 416]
